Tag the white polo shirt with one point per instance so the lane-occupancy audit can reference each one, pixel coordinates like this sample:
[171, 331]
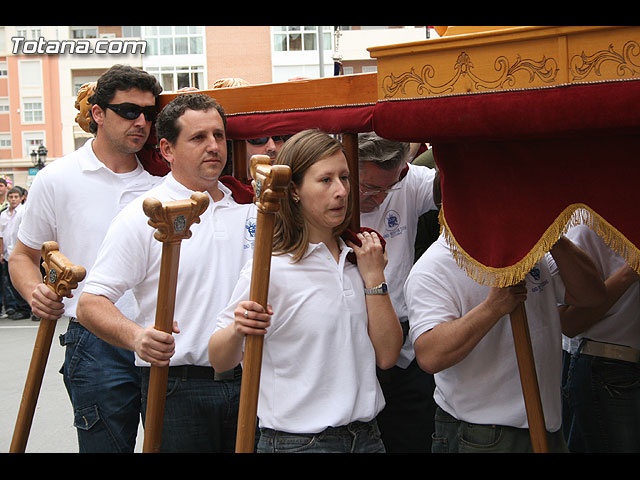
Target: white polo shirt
[485, 386]
[72, 201]
[318, 363]
[621, 324]
[396, 219]
[9, 225]
[209, 265]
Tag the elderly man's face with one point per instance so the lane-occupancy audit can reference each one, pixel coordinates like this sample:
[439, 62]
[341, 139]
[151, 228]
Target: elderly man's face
[375, 183]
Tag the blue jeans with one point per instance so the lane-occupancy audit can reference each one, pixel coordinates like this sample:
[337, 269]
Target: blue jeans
[406, 422]
[357, 437]
[103, 384]
[602, 399]
[455, 436]
[11, 298]
[200, 415]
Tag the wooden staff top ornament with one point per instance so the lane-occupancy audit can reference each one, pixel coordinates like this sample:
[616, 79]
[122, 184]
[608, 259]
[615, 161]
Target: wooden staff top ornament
[270, 183]
[61, 275]
[83, 118]
[172, 220]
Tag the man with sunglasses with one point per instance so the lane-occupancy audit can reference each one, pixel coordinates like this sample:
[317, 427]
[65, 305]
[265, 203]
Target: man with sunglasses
[73, 201]
[269, 146]
[393, 196]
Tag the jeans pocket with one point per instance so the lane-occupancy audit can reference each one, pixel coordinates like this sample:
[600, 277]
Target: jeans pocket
[281, 442]
[87, 417]
[479, 437]
[439, 444]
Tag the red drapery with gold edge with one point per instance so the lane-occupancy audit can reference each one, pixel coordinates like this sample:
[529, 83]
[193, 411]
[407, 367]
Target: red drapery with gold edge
[517, 167]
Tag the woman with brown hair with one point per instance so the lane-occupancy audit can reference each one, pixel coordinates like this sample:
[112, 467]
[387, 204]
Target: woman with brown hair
[330, 321]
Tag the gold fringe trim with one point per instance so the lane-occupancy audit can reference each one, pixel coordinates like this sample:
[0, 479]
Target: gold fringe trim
[575, 214]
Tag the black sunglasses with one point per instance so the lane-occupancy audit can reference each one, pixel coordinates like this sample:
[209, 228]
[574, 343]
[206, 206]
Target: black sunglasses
[131, 111]
[263, 140]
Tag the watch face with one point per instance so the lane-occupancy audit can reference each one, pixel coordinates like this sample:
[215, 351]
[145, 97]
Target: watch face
[384, 288]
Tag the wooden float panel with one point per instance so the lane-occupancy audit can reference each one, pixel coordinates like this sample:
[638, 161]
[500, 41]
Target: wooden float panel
[507, 59]
[294, 95]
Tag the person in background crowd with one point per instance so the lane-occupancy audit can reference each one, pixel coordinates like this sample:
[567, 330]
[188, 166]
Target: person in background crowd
[16, 307]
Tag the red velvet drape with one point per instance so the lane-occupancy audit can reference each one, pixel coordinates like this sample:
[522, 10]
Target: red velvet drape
[515, 165]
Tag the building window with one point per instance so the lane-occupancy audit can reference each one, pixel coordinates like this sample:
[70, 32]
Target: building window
[84, 32]
[174, 78]
[5, 140]
[32, 111]
[30, 74]
[3, 69]
[300, 38]
[131, 31]
[4, 105]
[174, 40]
[31, 142]
[29, 33]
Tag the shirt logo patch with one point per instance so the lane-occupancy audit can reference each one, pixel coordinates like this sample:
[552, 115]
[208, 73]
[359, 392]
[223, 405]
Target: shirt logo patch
[249, 232]
[392, 224]
[392, 220]
[538, 285]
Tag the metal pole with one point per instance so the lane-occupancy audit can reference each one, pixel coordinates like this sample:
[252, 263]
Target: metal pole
[321, 51]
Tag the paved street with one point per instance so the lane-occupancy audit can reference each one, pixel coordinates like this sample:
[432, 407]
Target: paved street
[52, 430]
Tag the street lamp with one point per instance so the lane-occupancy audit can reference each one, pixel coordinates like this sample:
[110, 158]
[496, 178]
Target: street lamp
[39, 157]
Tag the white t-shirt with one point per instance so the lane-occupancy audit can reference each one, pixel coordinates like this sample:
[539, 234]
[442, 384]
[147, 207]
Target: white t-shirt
[210, 262]
[485, 386]
[318, 363]
[72, 201]
[621, 324]
[9, 225]
[396, 219]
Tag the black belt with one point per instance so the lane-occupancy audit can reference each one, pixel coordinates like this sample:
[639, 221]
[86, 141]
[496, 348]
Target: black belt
[203, 373]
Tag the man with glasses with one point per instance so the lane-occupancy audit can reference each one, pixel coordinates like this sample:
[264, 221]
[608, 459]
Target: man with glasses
[393, 196]
[73, 201]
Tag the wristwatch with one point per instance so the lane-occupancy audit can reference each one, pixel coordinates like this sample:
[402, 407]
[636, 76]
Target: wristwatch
[379, 290]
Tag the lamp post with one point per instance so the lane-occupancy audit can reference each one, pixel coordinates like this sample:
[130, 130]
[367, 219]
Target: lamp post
[39, 157]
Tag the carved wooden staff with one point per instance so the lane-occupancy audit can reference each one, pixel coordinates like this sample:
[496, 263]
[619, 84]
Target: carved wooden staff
[62, 277]
[172, 221]
[269, 184]
[529, 379]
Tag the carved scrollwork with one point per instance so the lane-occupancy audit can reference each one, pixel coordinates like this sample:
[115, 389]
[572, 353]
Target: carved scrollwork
[545, 69]
[62, 276]
[173, 219]
[583, 65]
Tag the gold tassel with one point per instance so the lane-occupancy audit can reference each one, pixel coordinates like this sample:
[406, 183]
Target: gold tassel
[573, 215]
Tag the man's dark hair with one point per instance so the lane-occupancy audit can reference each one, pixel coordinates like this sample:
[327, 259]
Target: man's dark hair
[17, 190]
[167, 121]
[121, 77]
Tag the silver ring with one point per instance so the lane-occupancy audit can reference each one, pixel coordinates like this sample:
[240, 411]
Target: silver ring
[246, 314]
